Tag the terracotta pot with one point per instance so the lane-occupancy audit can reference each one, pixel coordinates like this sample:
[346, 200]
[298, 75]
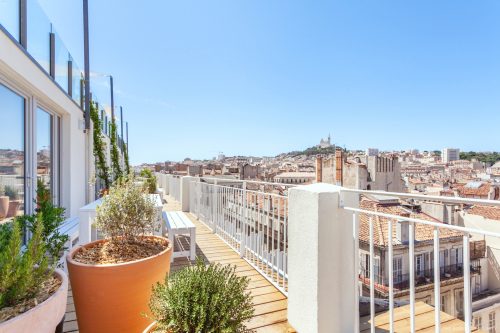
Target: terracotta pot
[13, 208]
[114, 297]
[45, 316]
[4, 206]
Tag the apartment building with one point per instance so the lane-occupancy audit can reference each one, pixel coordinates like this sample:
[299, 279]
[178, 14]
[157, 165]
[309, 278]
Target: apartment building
[449, 155]
[450, 256]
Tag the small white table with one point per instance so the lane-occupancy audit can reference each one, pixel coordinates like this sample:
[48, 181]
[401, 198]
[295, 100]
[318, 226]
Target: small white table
[177, 223]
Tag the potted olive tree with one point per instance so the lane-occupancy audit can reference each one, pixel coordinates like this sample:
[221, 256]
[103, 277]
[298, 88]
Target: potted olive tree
[33, 293]
[201, 298]
[112, 278]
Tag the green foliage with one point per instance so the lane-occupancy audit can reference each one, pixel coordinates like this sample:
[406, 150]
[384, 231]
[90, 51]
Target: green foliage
[313, 151]
[99, 146]
[51, 217]
[150, 181]
[115, 155]
[209, 299]
[126, 213]
[5, 234]
[11, 193]
[22, 274]
[487, 157]
[125, 157]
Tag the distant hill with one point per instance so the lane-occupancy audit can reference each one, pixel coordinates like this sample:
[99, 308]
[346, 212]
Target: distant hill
[313, 151]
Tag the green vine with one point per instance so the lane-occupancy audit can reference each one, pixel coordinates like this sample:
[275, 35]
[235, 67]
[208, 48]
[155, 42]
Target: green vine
[99, 145]
[115, 155]
[125, 157]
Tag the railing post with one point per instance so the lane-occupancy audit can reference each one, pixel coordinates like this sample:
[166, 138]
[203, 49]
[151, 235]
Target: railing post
[243, 220]
[184, 184]
[214, 207]
[167, 184]
[322, 289]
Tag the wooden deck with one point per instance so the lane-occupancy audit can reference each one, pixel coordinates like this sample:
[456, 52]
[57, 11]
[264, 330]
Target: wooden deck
[269, 303]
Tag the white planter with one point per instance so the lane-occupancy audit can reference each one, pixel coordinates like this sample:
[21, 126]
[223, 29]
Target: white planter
[43, 318]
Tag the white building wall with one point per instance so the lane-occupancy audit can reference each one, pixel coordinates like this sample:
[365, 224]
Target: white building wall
[19, 72]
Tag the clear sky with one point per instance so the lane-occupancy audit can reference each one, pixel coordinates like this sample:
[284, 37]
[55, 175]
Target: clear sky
[261, 77]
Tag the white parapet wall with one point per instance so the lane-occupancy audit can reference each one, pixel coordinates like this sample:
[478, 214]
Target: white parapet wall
[322, 259]
[185, 185]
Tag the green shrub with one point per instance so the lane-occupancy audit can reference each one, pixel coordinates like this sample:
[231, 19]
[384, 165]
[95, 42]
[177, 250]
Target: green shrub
[52, 218]
[22, 274]
[126, 213]
[208, 299]
[150, 180]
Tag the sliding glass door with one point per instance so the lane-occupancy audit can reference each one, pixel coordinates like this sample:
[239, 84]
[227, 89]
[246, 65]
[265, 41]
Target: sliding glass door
[29, 142]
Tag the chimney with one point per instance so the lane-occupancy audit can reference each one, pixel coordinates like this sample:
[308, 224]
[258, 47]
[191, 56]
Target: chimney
[403, 231]
[339, 166]
[319, 169]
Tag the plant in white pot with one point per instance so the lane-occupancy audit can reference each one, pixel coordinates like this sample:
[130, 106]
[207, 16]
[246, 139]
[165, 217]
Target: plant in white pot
[111, 279]
[33, 293]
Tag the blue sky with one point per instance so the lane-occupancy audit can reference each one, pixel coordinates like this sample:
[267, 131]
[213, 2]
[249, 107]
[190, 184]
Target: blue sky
[260, 77]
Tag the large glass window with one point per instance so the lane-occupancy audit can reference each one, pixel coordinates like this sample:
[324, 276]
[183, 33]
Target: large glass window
[12, 156]
[9, 17]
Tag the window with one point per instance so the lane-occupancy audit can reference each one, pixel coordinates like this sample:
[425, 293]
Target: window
[491, 322]
[419, 264]
[459, 303]
[478, 322]
[444, 303]
[12, 154]
[397, 269]
[47, 134]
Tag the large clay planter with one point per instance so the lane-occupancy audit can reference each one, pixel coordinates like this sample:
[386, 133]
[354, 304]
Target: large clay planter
[114, 297]
[13, 208]
[43, 318]
[4, 206]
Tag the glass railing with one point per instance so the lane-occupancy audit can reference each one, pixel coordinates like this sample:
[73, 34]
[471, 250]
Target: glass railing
[61, 62]
[38, 34]
[10, 17]
[44, 45]
[77, 85]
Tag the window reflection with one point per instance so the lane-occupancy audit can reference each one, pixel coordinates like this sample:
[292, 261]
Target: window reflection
[12, 193]
[44, 147]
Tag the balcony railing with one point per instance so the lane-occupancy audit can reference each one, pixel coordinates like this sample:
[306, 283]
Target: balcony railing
[402, 281]
[253, 223]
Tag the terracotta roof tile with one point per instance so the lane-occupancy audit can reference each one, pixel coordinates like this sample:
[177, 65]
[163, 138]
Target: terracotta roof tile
[381, 225]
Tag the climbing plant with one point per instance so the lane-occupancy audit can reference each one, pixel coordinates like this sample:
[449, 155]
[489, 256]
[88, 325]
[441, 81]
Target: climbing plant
[115, 155]
[99, 146]
[125, 157]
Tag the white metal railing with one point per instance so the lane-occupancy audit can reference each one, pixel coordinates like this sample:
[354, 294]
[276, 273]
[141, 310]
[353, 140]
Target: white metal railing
[253, 223]
[413, 222]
